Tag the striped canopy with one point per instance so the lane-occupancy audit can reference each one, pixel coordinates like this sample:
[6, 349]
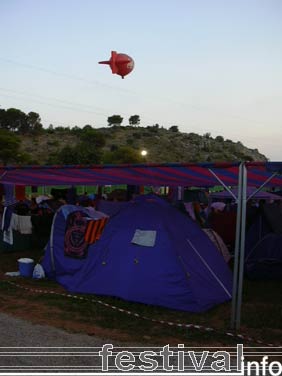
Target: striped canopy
[172, 174]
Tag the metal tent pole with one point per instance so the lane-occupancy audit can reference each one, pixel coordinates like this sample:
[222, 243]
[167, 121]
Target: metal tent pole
[239, 252]
[236, 269]
[242, 248]
[223, 184]
[236, 250]
[263, 185]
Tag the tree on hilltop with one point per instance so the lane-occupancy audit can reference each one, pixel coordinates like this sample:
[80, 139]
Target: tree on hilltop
[115, 120]
[134, 120]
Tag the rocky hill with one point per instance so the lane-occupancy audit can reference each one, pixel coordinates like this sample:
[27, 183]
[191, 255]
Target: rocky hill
[162, 145]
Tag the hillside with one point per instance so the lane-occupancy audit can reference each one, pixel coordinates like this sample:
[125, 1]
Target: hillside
[163, 145]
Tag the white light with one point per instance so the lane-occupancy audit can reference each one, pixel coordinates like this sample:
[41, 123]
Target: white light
[144, 153]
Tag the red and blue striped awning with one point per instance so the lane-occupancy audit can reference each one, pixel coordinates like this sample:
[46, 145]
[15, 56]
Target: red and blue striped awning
[166, 174]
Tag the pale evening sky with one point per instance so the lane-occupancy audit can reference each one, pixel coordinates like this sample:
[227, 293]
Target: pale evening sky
[204, 65]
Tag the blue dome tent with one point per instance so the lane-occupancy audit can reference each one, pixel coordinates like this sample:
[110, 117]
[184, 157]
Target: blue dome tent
[180, 269]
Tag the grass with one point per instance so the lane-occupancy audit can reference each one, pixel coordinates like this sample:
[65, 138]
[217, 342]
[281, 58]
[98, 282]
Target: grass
[261, 312]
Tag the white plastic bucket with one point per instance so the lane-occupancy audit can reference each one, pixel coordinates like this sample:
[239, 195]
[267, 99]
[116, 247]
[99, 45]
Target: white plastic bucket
[26, 266]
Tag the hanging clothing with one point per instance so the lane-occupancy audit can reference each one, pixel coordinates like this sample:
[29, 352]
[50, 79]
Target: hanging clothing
[9, 194]
[20, 192]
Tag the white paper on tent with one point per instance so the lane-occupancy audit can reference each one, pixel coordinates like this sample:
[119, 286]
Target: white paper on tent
[144, 238]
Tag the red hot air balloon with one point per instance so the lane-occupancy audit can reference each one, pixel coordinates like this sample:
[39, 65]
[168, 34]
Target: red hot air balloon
[120, 64]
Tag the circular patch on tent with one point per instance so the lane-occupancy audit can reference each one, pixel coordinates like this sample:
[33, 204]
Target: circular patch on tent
[75, 244]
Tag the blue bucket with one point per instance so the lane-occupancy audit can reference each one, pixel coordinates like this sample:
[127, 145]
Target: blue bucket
[26, 266]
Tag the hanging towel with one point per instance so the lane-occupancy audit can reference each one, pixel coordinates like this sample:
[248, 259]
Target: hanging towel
[21, 223]
[6, 226]
[7, 217]
[8, 236]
